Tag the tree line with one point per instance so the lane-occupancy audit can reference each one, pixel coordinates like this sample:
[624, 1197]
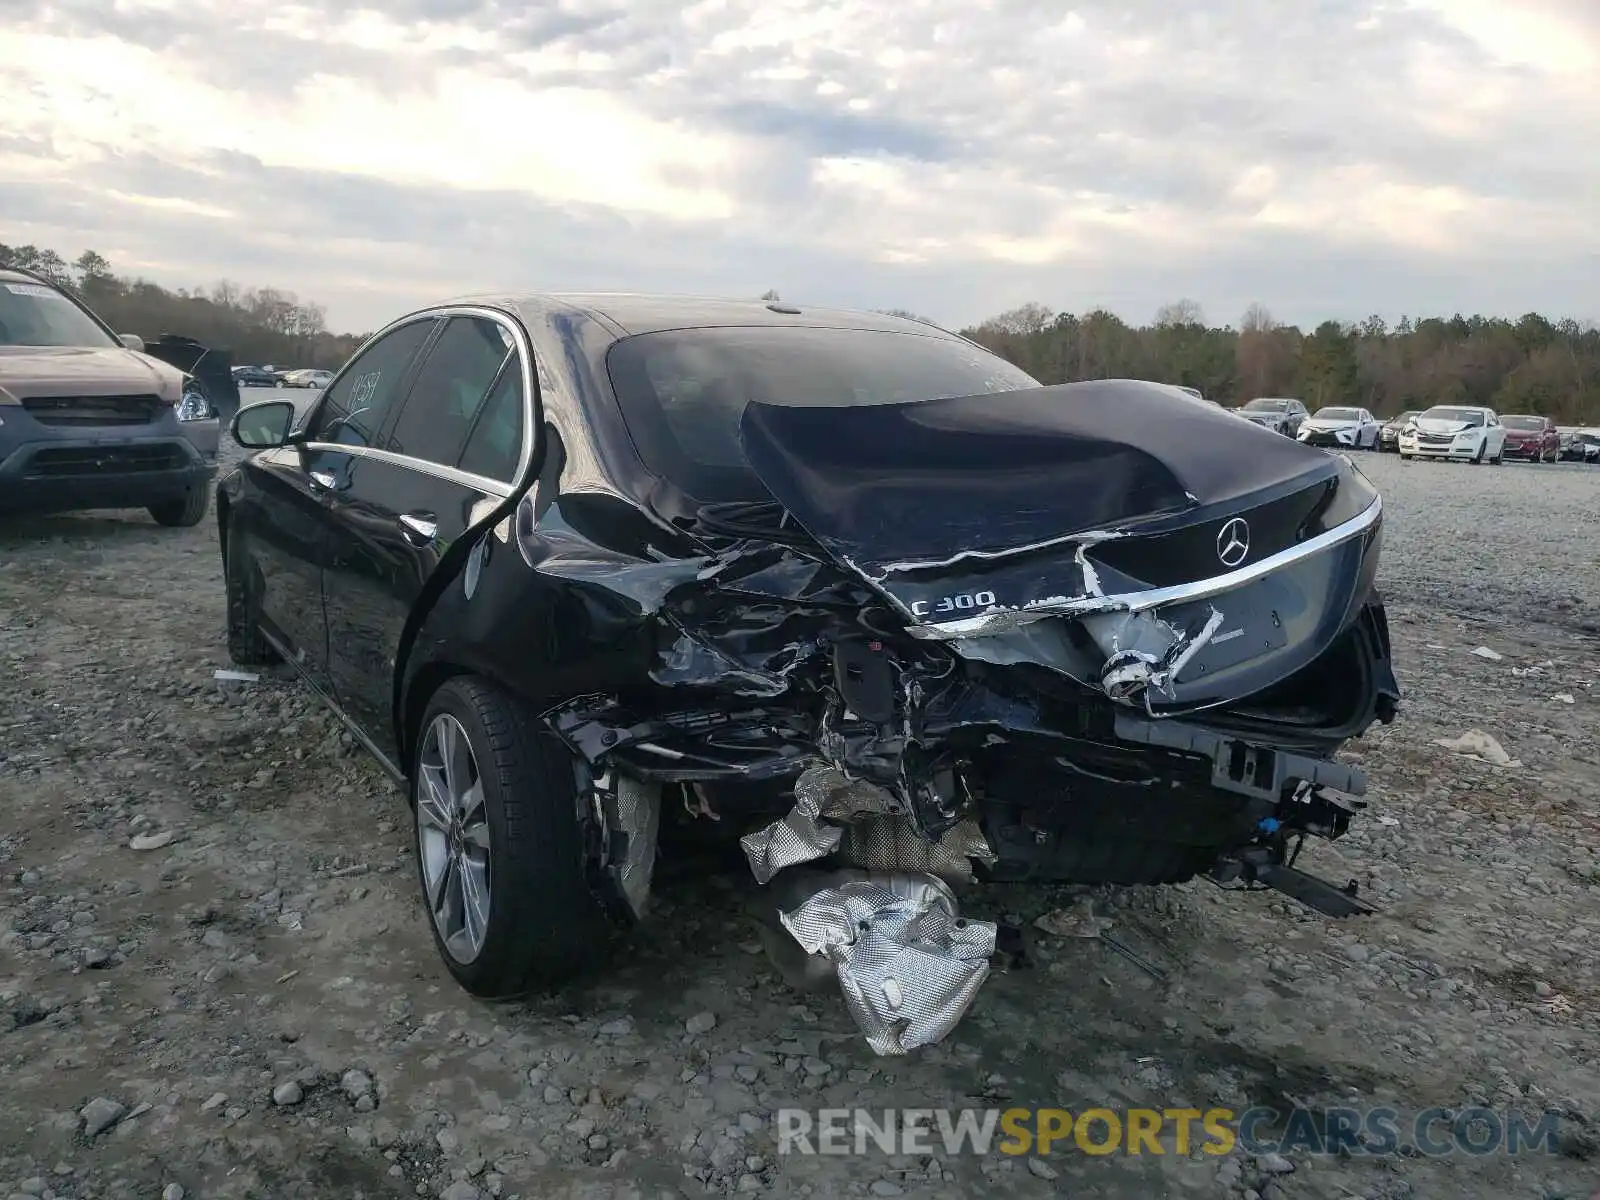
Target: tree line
[258, 325]
[1529, 365]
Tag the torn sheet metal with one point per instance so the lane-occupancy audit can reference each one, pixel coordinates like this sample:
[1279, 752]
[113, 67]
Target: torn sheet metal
[1145, 653]
[801, 836]
[908, 964]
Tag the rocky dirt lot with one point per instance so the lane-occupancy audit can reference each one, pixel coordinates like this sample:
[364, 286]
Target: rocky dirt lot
[216, 979]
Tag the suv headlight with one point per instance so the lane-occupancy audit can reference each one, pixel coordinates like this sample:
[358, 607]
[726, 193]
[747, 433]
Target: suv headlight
[194, 406]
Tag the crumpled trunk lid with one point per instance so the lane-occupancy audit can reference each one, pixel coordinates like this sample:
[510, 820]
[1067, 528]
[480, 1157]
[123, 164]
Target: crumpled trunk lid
[953, 506]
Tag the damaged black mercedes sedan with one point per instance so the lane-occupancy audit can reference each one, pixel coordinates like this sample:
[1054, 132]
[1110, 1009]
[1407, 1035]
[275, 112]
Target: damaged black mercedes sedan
[589, 574]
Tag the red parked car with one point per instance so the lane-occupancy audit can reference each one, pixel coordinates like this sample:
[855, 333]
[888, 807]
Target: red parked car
[1532, 438]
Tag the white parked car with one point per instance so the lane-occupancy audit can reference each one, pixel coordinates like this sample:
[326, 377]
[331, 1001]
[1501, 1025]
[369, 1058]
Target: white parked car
[1465, 432]
[1341, 428]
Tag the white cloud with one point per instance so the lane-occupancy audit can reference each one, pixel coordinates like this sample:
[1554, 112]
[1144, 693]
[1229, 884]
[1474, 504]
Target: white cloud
[936, 154]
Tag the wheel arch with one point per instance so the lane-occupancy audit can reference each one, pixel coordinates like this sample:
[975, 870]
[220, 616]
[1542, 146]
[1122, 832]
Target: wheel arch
[414, 704]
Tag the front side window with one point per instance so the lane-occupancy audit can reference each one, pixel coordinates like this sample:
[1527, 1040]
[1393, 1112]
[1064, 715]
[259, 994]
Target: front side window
[355, 407]
[683, 392]
[451, 386]
[34, 314]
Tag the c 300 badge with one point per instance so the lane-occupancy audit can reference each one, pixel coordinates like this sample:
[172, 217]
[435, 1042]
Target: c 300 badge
[964, 602]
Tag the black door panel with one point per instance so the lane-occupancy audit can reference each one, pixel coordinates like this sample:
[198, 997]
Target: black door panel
[384, 553]
[408, 502]
[286, 541]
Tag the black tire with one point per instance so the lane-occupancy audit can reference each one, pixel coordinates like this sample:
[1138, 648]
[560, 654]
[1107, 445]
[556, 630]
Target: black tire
[545, 926]
[246, 646]
[185, 513]
[1483, 448]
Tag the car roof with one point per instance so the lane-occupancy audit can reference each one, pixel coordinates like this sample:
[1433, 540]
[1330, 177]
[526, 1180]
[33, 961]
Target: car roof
[630, 313]
[10, 275]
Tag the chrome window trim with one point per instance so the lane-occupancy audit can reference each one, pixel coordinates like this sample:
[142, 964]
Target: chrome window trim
[480, 483]
[524, 352]
[1143, 601]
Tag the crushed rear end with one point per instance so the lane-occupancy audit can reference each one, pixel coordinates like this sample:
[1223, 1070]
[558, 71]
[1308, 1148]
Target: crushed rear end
[983, 638]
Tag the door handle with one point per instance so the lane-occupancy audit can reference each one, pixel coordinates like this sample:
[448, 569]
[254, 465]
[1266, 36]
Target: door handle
[324, 479]
[419, 526]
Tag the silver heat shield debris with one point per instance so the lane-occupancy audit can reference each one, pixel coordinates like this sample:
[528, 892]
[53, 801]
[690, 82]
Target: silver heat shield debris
[801, 836]
[908, 965]
[884, 843]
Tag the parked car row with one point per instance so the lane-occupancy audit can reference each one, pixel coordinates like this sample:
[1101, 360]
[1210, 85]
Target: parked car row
[1471, 433]
[302, 377]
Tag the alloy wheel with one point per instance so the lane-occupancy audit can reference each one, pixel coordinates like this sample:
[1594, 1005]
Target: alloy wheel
[453, 839]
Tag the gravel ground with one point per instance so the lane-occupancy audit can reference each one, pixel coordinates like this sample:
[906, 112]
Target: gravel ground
[252, 1007]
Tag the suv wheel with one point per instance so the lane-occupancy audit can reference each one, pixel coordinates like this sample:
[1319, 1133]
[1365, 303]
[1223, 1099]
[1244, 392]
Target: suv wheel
[185, 513]
[500, 845]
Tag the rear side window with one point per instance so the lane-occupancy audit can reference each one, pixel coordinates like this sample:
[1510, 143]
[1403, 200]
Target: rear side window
[494, 446]
[683, 392]
[354, 409]
[451, 387]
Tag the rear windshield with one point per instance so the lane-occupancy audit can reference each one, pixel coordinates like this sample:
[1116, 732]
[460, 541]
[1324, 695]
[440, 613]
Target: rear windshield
[32, 314]
[1470, 416]
[682, 392]
[1534, 423]
[1337, 414]
[1266, 406]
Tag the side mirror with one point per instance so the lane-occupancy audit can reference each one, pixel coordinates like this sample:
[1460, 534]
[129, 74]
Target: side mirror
[132, 341]
[264, 425]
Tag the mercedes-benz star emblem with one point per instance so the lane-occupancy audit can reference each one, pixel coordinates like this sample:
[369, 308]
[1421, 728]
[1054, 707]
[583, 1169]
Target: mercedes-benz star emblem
[1233, 542]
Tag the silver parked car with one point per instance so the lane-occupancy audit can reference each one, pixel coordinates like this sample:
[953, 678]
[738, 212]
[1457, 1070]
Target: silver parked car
[1279, 413]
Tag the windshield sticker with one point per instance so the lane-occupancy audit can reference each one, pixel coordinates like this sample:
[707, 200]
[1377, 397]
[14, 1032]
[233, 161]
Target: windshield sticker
[364, 387]
[28, 289]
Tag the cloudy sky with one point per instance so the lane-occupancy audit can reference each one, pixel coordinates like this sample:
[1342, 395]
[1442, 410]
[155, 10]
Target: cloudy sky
[1328, 158]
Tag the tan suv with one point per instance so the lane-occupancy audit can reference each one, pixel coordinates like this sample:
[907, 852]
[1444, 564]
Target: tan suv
[88, 420]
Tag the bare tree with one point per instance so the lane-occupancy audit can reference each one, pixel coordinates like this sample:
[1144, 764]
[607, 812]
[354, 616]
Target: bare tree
[1179, 314]
[1257, 319]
